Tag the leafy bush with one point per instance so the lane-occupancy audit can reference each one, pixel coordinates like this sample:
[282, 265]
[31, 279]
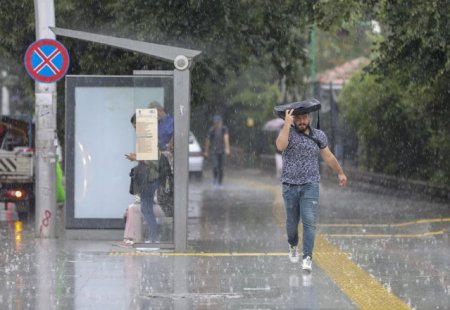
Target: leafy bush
[395, 132]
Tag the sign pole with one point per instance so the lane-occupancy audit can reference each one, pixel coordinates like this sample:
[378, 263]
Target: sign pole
[45, 141]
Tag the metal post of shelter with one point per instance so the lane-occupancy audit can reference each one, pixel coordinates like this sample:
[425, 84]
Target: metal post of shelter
[182, 113]
[182, 60]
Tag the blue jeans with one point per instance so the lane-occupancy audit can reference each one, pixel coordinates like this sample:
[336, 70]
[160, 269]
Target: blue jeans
[147, 209]
[301, 201]
[218, 161]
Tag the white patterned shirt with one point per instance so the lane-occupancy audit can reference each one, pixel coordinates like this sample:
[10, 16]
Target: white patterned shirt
[301, 157]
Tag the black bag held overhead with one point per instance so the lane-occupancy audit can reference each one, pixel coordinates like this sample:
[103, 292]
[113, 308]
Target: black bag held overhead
[300, 107]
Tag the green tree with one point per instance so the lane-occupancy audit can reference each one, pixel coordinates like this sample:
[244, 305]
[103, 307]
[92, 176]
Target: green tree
[412, 51]
[412, 55]
[230, 34]
[386, 122]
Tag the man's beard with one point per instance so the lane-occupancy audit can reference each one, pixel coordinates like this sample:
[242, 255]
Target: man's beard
[302, 128]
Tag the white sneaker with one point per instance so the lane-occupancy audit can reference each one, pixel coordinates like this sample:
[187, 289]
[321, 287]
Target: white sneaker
[307, 263]
[293, 254]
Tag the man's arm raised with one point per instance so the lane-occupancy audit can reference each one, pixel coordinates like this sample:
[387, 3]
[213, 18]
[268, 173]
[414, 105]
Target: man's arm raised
[283, 137]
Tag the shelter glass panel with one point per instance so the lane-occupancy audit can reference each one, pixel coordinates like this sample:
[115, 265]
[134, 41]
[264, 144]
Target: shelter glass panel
[99, 134]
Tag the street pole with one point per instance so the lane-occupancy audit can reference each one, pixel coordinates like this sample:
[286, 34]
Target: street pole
[45, 141]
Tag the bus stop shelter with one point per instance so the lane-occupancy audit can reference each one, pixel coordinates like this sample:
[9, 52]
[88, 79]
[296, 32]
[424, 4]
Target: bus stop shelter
[98, 132]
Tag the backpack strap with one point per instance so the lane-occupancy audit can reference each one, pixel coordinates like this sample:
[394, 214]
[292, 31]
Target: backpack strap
[319, 144]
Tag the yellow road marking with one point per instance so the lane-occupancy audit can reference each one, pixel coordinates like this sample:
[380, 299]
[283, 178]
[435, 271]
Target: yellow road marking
[209, 254]
[427, 234]
[279, 214]
[417, 222]
[355, 282]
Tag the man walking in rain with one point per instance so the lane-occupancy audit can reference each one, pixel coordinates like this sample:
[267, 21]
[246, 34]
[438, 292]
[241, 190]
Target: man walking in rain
[217, 145]
[301, 146]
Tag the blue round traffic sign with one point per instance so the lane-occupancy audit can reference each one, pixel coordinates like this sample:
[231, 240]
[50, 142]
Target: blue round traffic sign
[47, 60]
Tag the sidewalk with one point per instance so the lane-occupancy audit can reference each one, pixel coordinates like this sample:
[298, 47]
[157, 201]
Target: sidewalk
[237, 259]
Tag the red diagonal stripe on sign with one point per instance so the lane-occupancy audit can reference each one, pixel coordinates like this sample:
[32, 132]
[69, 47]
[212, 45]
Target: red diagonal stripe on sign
[46, 61]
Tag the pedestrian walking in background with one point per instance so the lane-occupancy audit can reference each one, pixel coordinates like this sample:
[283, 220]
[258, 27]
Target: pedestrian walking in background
[217, 146]
[301, 145]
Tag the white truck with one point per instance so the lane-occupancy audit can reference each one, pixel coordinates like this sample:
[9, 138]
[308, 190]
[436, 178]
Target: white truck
[16, 168]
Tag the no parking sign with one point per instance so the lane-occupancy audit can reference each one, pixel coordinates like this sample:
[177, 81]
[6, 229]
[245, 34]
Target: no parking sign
[47, 60]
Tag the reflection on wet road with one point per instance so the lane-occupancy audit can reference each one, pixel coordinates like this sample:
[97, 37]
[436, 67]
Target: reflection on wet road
[372, 252]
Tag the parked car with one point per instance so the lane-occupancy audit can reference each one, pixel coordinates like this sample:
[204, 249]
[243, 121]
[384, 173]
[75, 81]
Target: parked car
[195, 157]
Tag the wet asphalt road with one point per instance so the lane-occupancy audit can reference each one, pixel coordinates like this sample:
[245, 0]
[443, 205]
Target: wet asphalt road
[373, 251]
